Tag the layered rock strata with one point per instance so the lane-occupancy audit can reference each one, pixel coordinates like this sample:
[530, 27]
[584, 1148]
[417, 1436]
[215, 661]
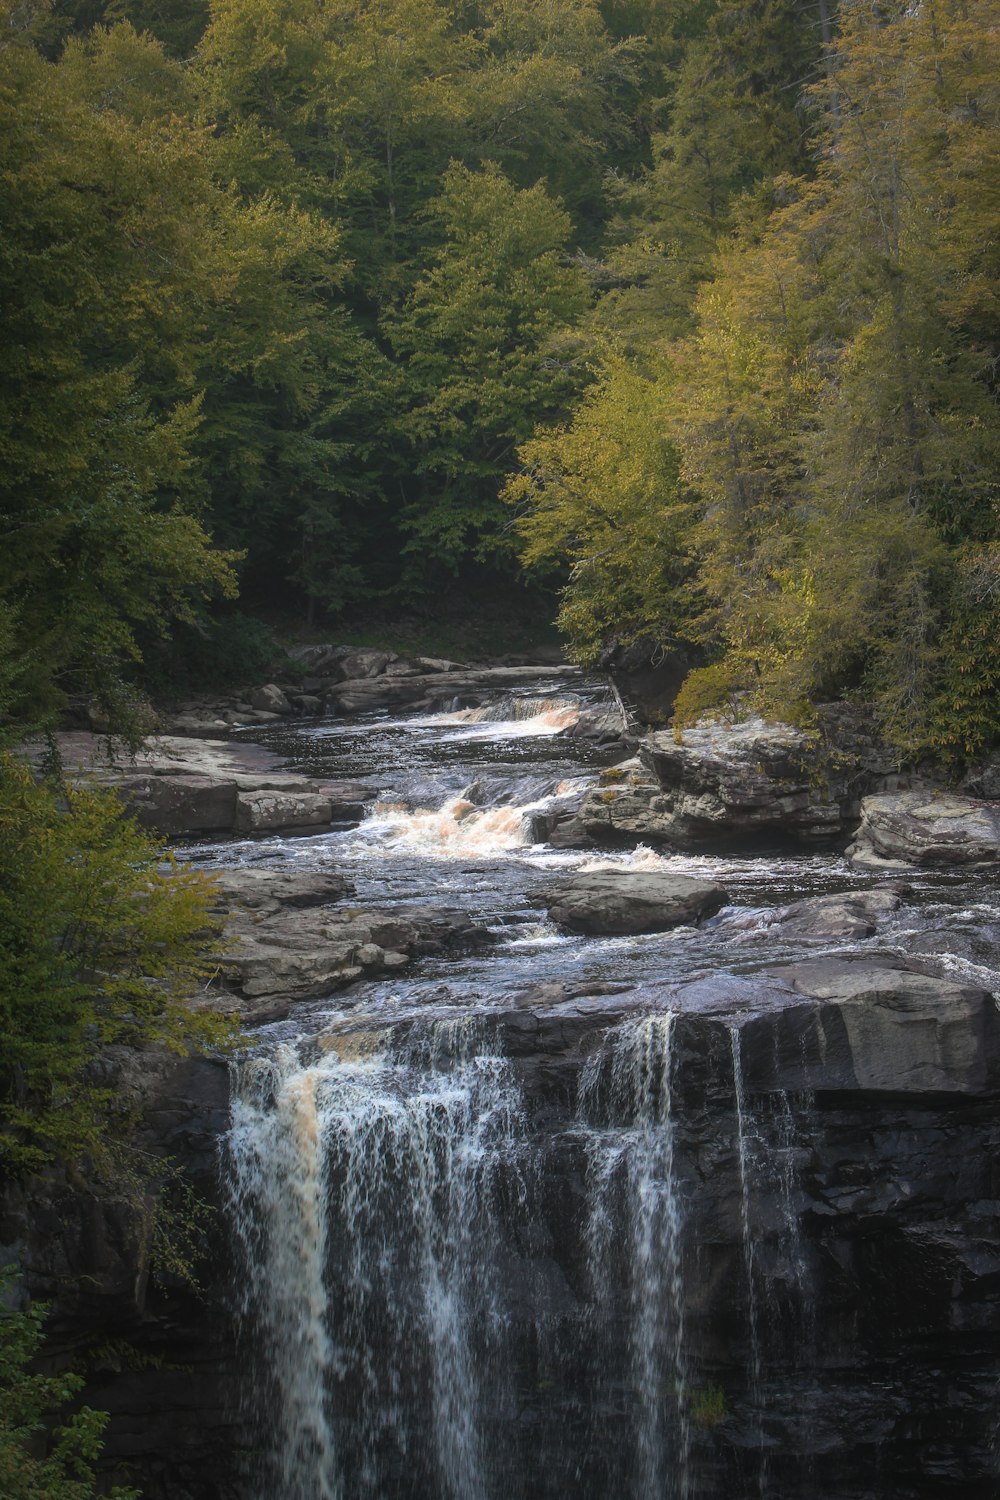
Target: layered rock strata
[188, 788]
[295, 936]
[926, 828]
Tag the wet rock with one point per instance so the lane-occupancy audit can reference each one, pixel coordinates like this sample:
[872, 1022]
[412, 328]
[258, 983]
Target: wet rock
[273, 889]
[270, 699]
[177, 806]
[181, 787]
[743, 784]
[926, 828]
[270, 811]
[307, 703]
[847, 914]
[752, 780]
[604, 725]
[618, 901]
[628, 804]
[293, 935]
[433, 690]
[894, 1026]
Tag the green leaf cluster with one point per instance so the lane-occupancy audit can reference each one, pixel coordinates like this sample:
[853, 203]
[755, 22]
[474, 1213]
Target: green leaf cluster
[101, 942]
[28, 1404]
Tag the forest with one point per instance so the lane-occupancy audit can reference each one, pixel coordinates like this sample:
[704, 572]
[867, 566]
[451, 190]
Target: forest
[683, 313]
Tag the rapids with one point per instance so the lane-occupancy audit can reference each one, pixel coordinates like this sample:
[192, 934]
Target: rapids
[430, 1308]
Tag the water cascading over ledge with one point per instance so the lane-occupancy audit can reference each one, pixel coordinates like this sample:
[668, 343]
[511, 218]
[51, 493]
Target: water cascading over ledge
[643, 1245]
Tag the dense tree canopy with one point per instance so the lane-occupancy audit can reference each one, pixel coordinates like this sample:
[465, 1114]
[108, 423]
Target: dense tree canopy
[287, 287]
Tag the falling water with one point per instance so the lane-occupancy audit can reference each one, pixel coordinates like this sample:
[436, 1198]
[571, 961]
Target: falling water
[744, 1148]
[538, 715]
[634, 1211]
[365, 1198]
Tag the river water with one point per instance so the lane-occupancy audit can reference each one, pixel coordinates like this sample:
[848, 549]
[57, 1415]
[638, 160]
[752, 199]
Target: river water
[443, 1298]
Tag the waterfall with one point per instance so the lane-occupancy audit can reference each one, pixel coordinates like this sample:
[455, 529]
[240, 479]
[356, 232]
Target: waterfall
[635, 1218]
[407, 1312]
[365, 1200]
[531, 715]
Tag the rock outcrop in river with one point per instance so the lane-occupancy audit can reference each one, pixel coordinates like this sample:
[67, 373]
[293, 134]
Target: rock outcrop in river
[930, 827]
[742, 783]
[292, 936]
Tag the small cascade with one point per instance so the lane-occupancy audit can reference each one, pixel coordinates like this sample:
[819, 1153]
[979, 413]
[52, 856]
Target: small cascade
[485, 818]
[779, 1300]
[529, 715]
[746, 1150]
[458, 829]
[633, 1236]
[365, 1196]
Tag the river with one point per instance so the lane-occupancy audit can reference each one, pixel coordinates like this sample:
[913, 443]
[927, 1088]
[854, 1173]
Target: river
[462, 1281]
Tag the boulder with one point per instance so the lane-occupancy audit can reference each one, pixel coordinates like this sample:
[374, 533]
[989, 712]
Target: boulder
[183, 787]
[436, 664]
[983, 779]
[628, 804]
[926, 828]
[889, 1025]
[604, 725]
[177, 806]
[365, 661]
[404, 669]
[269, 890]
[260, 811]
[319, 659]
[846, 914]
[291, 935]
[754, 781]
[746, 783]
[646, 677]
[270, 699]
[620, 901]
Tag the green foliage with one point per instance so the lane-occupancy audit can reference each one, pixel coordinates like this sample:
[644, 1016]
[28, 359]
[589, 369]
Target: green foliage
[307, 297]
[713, 692]
[603, 496]
[226, 651]
[474, 333]
[101, 531]
[28, 1404]
[841, 419]
[100, 943]
[708, 1407]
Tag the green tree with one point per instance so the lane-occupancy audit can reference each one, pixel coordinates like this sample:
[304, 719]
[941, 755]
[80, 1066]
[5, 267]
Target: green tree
[602, 495]
[734, 116]
[473, 337]
[842, 421]
[28, 1403]
[101, 531]
[99, 944]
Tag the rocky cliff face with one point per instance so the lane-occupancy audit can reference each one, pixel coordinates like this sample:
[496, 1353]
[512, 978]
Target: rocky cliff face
[746, 1237]
[744, 1241]
[157, 1353]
